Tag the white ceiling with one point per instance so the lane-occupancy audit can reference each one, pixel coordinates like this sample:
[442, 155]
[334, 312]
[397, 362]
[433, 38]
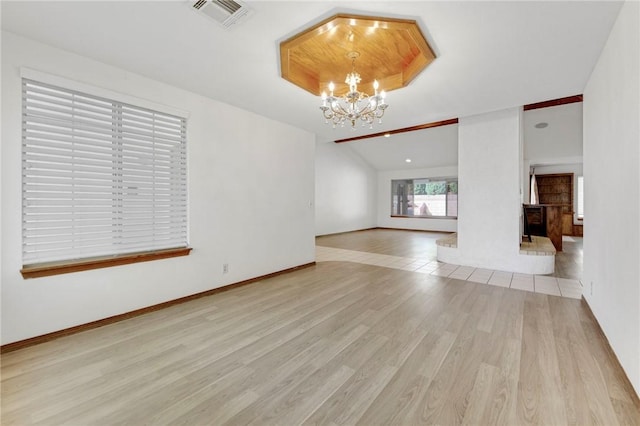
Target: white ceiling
[433, 147]
[559, 142]
[490, 55]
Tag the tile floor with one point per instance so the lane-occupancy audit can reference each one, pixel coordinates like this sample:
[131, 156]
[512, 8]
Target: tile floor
[536, 283]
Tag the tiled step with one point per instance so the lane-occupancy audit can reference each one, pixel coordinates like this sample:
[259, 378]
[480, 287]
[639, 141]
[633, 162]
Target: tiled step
[448, 241]
[539, 246]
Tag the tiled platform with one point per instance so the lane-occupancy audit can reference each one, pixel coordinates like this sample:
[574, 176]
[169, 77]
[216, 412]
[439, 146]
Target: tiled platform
[448, 241]
[536, 283]
[537, 256]
[539, 246]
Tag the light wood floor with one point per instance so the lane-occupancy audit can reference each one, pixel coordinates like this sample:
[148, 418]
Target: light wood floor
[393, 242]
[569, 260]
[396, 242]
[337, 343]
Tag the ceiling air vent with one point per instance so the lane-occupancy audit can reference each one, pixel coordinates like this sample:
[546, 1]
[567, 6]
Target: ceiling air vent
[225, 12]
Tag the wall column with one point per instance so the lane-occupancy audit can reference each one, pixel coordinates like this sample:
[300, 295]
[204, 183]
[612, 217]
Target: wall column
[489, 187]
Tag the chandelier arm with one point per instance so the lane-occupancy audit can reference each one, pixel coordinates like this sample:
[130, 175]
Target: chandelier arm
[366, 110]
[327, 114]
[337, 108]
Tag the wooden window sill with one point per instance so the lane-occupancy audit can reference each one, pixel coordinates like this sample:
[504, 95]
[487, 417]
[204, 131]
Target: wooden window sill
[66, 267]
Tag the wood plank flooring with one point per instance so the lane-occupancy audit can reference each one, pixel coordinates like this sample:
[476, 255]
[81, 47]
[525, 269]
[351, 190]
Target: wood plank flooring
[337, 343]
[396, 242]
[569, 260]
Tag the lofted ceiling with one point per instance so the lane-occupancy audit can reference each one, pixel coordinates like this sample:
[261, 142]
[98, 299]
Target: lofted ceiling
[560, 142]
[489, 55]
[435, 147]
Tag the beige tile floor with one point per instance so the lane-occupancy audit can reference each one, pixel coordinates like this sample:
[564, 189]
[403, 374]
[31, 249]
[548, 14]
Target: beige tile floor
[545, 284]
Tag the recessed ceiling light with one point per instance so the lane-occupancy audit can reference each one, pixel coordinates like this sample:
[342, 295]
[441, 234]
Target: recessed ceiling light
[408, 160]
[541, 125]
[386, 135]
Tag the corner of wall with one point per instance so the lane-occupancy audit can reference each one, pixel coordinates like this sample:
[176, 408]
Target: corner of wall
[612, 154]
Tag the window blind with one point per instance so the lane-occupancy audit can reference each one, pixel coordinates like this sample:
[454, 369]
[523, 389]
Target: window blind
[99, 177]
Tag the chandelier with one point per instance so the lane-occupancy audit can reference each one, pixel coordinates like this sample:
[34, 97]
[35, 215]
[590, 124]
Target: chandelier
[354, 105]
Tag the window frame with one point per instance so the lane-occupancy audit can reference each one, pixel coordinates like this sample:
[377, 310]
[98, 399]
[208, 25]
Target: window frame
[74, 263]
[580, 198]
[448, 180]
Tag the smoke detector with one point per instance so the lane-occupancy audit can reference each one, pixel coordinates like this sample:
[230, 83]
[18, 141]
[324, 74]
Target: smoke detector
[225, 12]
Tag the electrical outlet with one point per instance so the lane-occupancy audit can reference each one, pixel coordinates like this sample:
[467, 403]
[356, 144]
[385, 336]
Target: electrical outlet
[225, 268]
[591, 289]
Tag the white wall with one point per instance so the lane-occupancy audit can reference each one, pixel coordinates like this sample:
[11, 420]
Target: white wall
[612, 195]
[424, 224]
[345, 190]
[1, 192]
[250, 202]
[489, 147]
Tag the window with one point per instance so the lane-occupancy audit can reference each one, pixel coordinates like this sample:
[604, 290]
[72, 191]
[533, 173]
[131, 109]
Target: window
[99, 177]
[580, 212]
[425, 197]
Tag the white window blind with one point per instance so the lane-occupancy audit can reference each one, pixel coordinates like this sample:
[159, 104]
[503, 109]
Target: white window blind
[99, 177]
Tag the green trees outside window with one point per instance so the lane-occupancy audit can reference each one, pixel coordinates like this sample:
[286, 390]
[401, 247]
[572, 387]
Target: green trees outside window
[425, 197]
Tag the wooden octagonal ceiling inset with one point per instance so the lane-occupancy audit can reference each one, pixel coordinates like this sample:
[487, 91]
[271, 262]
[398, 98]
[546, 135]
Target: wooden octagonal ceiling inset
[392, 51]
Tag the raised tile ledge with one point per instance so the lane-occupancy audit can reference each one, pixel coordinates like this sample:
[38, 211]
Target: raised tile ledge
[448, 241]
[539, 246]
